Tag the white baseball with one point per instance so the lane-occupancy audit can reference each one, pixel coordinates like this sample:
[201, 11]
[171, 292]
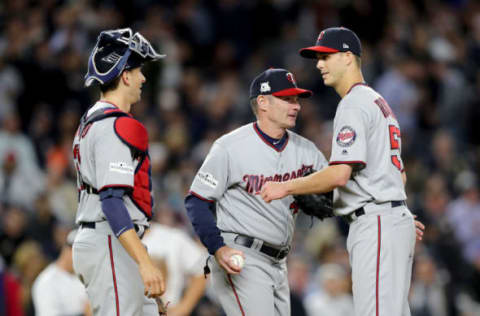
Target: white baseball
[237, 260]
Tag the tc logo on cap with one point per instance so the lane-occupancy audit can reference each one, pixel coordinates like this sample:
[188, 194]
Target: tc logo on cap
[320, 35]
[277, 82]
[291, 78]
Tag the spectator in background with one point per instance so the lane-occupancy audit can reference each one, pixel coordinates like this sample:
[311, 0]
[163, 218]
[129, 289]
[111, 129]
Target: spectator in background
[397, 85]
[10, 293]
[439, 237]
[11, 85]
[28, 262]
[184, 260]
[445, 158]
[42, 225]
[19, 165]
[298, 278]
[466, 206]
[62, 194]
[428, 296]
[333, 298]
[57, 291]
[12, 232]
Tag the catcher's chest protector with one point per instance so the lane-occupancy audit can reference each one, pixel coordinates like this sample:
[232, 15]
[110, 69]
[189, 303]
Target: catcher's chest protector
[133, 134]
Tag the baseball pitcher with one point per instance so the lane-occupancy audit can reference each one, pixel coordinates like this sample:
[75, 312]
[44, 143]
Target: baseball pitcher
[367, 171]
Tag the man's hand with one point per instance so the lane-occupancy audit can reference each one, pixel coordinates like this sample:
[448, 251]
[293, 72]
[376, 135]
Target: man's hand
[223, 254]
[419, 228]
[152, 279]
[273, 191]
[151, 276]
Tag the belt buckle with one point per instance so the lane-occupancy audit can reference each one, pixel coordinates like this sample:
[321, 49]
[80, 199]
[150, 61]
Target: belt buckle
[283, 252]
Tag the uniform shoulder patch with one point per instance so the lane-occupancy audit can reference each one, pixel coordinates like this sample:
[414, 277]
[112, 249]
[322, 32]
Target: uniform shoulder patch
[208, 179]
[346, 136]
[132, 133]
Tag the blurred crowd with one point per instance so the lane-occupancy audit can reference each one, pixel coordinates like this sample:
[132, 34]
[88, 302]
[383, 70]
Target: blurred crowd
[423, 56]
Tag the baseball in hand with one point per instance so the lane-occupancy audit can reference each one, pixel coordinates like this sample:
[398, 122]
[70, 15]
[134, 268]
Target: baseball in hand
[237, 260]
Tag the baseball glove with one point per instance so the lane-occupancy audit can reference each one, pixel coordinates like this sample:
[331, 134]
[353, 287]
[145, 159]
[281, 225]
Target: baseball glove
[319, 205]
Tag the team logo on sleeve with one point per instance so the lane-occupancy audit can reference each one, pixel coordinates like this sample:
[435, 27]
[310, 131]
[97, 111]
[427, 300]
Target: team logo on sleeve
[265, 87]
[346, 136]
[208, 179]
[121, 167]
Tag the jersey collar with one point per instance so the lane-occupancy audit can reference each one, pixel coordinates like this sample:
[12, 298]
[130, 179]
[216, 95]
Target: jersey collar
[107, 106]
[357, 84]
[269, 141]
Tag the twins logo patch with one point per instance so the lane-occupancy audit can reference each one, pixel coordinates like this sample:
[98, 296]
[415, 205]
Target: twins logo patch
[208, 179]
[346, 136]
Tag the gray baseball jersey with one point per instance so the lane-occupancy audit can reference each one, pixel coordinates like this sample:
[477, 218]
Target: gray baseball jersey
[103, 160]
[109, 273]
[367, 135]
[381, 242]
[233, 173]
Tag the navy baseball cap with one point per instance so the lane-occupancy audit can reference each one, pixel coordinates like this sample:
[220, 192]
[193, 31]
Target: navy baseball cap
[278, 82]
[334, 40]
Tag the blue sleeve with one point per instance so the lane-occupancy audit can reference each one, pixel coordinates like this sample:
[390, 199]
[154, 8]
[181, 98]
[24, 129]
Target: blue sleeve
[115, 211]
[204, 223]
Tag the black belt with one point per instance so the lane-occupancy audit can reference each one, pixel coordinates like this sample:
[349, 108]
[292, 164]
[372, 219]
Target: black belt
[272, 251]
[92, 225]
[87, 187]
[361, 211]
[87, 225]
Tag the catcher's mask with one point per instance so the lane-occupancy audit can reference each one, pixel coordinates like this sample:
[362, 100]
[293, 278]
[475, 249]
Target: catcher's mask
[116, 51]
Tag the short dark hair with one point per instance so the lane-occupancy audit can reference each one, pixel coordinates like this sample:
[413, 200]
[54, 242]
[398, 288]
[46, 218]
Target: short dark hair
[359, 61]
[111, 85]
[254, 105]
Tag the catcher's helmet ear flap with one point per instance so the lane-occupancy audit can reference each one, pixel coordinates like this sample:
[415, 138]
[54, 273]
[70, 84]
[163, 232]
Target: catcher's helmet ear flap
[115, 51]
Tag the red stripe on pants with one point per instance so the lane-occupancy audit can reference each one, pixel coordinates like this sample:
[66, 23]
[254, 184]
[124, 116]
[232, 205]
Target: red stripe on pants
[378, 262]
[236, 296]
[113, 274]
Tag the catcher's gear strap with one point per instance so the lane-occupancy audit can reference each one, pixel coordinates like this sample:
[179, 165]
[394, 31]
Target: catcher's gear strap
[132, 133]
[115, 210]
[200, 214]
[100, 114]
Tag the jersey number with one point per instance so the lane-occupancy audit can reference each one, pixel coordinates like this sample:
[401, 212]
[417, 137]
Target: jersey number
[395, 144]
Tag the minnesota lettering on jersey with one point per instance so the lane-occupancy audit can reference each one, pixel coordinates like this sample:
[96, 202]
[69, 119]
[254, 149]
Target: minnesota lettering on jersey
[255, 182]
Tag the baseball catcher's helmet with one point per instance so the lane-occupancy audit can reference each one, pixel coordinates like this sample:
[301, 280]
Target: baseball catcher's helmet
[116, 51]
